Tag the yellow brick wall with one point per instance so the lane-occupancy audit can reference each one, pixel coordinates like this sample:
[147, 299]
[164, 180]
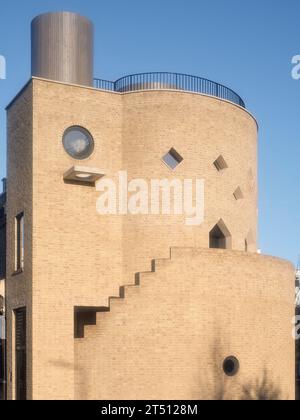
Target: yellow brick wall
[168, 338]
[78, 254]
[76, 257]
[2, 250]
[201, 129]
[19, 199]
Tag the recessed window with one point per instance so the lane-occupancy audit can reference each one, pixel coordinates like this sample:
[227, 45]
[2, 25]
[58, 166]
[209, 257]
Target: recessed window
[220, 163]
[220, 237]
[172, 159]
[20, 354]
[19, 242]
[238, 194]
[249, 241]
[78, 142]
[231, 366]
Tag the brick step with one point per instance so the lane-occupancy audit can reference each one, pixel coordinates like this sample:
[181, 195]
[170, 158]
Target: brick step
[129, 291]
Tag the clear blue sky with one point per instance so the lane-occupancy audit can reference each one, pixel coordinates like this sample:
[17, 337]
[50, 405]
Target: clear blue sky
[247, 45]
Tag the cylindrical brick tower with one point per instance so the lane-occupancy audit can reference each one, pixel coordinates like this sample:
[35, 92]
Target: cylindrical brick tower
[217, 142]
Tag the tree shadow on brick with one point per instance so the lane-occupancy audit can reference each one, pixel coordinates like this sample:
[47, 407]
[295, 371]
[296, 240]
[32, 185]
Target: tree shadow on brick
[219, 380]
[262, 390]
[213, 385]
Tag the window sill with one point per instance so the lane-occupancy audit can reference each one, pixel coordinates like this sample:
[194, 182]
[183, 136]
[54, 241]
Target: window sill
[17, 272]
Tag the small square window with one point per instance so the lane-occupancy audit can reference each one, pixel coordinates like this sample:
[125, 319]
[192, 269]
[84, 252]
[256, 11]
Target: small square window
[220, 164]
[172, 159]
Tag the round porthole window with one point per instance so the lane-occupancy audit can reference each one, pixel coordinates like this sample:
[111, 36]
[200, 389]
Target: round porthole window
[231, 366]
[78, 142]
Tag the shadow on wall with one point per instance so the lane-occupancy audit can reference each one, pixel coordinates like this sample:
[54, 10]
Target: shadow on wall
[262, 390]
[66, 367]
[213, 384]
[224, 387]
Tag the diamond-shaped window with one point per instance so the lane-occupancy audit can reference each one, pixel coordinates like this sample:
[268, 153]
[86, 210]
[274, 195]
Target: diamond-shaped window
[172, 159]
[238, 194]
[220, 163]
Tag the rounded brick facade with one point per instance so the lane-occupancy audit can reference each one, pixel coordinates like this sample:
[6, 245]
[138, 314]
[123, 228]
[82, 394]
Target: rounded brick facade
[201, 129]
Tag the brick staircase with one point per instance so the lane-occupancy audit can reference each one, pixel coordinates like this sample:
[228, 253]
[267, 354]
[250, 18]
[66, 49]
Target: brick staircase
[129, 291]
[125, 292]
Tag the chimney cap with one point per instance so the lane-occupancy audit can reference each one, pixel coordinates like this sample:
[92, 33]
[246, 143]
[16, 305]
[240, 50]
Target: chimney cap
[62, 48]
[62, 13]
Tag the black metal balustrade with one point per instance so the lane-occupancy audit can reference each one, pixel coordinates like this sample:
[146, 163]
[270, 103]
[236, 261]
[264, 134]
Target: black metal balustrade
[176, 81]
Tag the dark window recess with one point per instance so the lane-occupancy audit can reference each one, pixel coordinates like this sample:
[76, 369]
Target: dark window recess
[231, 366]
[20, 241]
[220, 164]
[21, 388]
[220, 237]
[217, 239]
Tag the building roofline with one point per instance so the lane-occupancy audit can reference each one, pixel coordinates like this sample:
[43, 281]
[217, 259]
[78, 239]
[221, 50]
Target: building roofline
[18, 94]
[127, 93]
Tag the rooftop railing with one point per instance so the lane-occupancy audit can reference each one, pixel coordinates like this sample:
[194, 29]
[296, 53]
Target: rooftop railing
[174, 81]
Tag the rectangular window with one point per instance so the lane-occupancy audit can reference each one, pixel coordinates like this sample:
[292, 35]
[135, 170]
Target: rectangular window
[20, 354]
[20, 242]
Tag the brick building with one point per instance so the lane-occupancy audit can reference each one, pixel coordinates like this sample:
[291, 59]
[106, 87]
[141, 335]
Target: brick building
[136, 306]
[2, 289]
